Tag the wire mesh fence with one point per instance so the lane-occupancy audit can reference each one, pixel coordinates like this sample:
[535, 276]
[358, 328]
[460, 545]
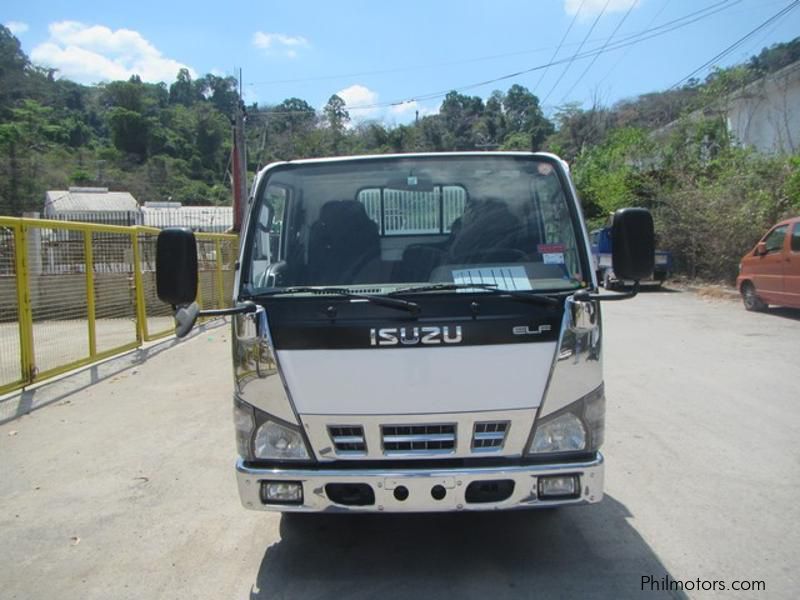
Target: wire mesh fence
[73, 293]
[10, 347]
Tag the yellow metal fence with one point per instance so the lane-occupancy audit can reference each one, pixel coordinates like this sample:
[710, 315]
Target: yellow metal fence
[75, 293]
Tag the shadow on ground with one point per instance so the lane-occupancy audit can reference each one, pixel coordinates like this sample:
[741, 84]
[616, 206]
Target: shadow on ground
[589, 551]
[658, 289]
[39, 395]
[784, 312]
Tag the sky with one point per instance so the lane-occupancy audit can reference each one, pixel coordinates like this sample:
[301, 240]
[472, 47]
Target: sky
[390, 60]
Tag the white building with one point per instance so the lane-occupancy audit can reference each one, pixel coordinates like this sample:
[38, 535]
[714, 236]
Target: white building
[216, 219]
[92, 204]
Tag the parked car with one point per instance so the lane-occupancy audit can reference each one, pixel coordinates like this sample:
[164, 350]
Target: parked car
[601, 254]
[770, 272]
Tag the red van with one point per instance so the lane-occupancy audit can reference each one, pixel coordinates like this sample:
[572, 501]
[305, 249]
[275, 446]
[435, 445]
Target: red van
[770, 272]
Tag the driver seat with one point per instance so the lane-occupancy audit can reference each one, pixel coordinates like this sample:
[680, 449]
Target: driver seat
[341, 243]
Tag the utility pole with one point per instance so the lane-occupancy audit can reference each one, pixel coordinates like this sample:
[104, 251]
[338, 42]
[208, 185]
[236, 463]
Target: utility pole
[239, 162]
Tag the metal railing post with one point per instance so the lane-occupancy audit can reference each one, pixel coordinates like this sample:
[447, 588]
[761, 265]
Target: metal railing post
[200, 261]
[141, 311]
[25, 311]
[88, 257]
[220, 286]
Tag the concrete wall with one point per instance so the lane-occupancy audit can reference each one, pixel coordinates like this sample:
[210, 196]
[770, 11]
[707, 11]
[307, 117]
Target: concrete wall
[766, 114]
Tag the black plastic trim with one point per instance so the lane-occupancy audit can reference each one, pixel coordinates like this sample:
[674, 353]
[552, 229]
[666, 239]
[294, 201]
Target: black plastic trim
[427, 463]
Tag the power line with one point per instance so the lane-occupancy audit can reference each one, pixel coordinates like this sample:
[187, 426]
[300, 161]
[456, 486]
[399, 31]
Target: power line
[596, 56]
[558, 49]
[572, 59]
[479, 58]
[781, 13]
[656, 32]
[625, 42]
[627, 51]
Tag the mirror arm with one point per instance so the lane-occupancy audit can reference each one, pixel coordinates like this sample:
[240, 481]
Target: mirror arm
[234, 310]
[584, 295]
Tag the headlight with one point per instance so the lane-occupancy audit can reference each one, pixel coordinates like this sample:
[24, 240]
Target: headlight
[258, 435]
[577, 428]
[280, 442]
[565, 433]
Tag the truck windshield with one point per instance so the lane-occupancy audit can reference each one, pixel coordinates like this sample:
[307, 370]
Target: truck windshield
[381, 225]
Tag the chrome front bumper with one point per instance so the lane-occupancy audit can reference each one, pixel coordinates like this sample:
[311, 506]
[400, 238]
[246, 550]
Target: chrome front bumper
[419, 483]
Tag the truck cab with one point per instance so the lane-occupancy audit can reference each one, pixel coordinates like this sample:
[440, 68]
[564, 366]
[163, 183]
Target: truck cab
[416, 333]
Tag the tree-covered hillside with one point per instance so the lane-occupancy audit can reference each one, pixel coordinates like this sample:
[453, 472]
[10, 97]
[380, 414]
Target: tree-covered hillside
[172, 141]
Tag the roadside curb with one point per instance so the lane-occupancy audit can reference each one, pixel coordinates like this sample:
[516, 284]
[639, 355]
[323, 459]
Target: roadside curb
[716, 292]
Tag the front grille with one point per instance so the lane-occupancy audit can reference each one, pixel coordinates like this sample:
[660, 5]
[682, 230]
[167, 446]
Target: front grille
[348, 439]
[489, 435]
[418, 439]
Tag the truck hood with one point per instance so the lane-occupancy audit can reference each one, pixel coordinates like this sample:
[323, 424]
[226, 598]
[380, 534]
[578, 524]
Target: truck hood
[418, 380]
[374, 360]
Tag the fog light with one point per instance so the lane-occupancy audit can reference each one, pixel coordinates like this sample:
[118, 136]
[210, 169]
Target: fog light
[559, 486]
[281, 492]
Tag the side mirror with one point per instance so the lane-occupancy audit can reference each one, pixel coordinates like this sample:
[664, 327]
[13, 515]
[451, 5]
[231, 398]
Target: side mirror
[761, 248]
[633, 244]
[176, 266]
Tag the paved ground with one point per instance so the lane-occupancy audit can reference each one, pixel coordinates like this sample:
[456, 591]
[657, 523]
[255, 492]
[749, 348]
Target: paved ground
[57, 343]
[126, 489]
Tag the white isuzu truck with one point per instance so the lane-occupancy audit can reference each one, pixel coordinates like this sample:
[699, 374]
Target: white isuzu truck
[415, 332]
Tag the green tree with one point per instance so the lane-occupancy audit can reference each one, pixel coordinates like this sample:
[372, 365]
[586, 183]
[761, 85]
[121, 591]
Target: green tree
[459, 115]
[336, 118]
[129, 131]
[524, 115]
[183, 91]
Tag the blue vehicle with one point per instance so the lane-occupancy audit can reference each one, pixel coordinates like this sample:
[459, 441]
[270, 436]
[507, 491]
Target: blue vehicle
[601, 253]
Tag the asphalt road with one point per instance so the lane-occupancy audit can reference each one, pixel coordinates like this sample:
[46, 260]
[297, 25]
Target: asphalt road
[126, 489]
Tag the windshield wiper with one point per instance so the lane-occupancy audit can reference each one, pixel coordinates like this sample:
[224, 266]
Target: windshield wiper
[533, 298]
[398, 303]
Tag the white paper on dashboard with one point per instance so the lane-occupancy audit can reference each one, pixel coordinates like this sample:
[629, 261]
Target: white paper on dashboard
[505, 278]
[553, 258]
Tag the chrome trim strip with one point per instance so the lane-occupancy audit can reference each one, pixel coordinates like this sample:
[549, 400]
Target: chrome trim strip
[424, 453]
[431, 437]
[348, 439]
[577, 367]
[490, 435]
[256, 365]
[419, 482]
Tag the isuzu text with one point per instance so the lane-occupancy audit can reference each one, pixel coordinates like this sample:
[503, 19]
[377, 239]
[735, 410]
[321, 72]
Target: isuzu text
[415, 332]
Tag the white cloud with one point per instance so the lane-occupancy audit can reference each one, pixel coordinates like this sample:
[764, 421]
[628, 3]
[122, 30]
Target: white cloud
[94, 53]
[280, 43]
[404, 109]
[359, 95]
[592, 8]
[16, 27]
[406, 112]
